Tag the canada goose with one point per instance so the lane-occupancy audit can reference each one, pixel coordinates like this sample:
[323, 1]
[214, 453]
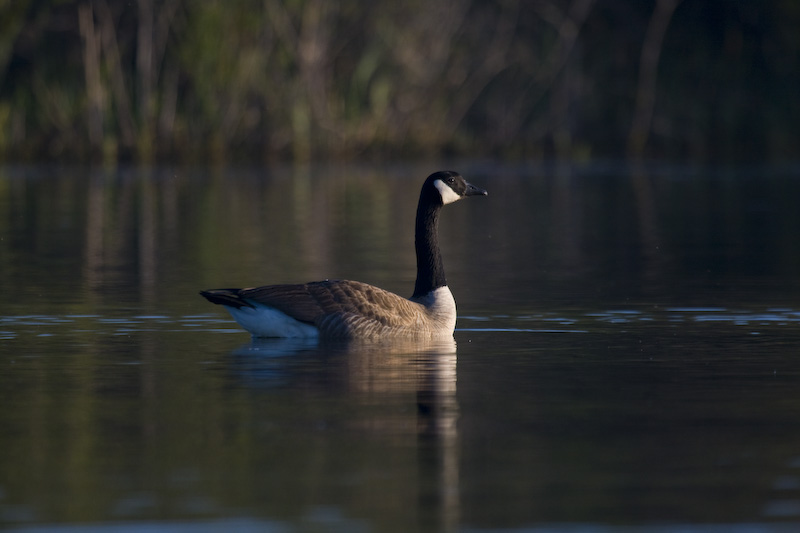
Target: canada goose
[355, 310]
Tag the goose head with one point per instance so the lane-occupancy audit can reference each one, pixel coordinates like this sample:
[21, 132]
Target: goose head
[450, 187]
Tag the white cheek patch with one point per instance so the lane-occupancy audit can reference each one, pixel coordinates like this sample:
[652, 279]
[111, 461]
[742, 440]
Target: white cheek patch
[448, 195]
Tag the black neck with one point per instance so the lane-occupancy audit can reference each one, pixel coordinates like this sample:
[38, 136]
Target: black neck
[430, 271]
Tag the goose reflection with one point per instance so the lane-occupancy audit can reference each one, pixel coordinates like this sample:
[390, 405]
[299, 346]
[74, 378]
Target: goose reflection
[392, 390]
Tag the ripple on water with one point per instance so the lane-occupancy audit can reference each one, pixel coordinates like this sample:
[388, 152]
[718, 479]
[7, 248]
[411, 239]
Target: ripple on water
[51, 325]
[12, 327]
[672, 317]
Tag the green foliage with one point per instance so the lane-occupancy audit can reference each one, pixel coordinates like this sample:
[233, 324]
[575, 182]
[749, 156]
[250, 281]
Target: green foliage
[303, 79]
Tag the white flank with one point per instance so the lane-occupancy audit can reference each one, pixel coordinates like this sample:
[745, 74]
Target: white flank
[448, 195]
[265, 321]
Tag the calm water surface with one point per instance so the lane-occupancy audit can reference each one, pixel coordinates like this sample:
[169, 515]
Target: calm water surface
[627, 356]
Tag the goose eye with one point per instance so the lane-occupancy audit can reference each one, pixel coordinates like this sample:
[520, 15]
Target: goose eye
[451, 179]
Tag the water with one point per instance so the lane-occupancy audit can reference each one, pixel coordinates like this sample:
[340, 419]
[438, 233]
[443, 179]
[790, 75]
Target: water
[626, 356]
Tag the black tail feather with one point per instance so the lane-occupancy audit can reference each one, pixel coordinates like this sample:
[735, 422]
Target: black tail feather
[229, 297]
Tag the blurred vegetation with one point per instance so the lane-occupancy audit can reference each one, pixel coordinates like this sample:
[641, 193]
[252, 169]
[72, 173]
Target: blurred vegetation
[306, 79]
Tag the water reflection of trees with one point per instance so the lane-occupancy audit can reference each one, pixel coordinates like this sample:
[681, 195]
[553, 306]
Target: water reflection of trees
[148, 425]
[80, 402]
[155, 236]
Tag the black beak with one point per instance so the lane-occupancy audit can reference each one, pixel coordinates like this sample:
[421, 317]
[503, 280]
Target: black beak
[475, 191]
